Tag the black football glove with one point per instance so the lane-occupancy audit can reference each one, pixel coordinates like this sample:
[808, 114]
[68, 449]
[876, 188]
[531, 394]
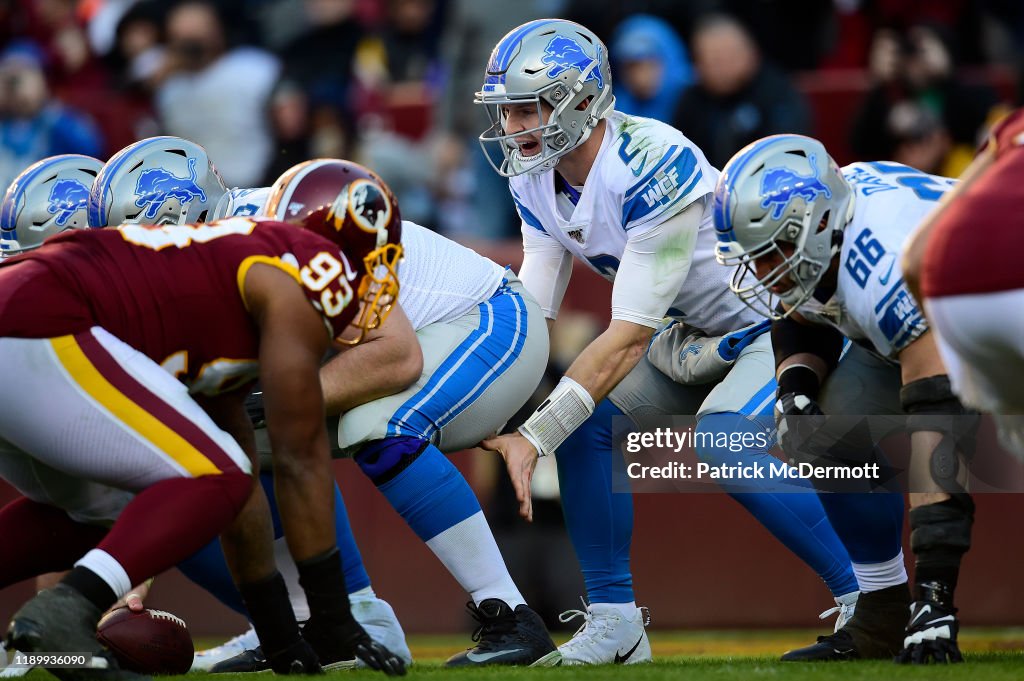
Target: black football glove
[931, 635]
[797, 418]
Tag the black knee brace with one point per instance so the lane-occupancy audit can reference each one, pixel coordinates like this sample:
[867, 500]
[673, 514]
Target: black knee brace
[933, 407]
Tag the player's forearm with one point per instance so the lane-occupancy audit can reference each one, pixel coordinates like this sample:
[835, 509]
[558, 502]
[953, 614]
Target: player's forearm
[611, 356]
[304, 488]
[369, 371]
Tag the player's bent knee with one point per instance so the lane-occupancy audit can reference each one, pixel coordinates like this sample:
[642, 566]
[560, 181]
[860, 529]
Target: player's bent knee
[382, 460]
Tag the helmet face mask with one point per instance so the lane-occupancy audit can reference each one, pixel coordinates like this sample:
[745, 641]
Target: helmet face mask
[781, 200]
[157, 181]
[549, 62]
[353, 207]
[48, 197]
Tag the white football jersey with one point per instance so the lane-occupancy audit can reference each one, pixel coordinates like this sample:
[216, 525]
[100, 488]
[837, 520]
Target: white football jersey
[645, 173]
[871, 303]
[439, 279]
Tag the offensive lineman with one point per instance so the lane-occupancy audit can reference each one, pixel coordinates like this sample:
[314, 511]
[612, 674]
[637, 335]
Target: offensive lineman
[630, 197]
[817, 248]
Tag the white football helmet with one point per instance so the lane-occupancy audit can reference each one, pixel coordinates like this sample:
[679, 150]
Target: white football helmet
[783, 188]
[50, 196]
[553, 61]
[158, 181]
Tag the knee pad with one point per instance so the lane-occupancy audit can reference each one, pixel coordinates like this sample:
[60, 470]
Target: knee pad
[381, 460]
[932, 407]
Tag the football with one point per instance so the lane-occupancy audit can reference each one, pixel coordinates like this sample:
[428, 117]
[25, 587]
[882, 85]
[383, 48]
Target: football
[148, 642]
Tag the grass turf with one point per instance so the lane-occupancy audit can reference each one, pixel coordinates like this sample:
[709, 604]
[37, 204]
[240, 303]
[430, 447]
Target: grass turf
[717, 655]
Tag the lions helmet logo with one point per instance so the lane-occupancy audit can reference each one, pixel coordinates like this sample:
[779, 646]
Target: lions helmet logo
[564, 54]
[67, 198]
[157, 185]
[780, 185]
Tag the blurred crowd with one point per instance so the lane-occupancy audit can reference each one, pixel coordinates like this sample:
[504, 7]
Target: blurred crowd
[263, 84]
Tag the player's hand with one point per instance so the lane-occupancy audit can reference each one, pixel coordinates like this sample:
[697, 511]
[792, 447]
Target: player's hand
[797, 418]
[134, 598]
[520, 460]
[931, 635]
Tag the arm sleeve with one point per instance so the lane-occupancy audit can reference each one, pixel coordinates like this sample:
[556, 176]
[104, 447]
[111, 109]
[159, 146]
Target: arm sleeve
[654, 266]
[546, 269]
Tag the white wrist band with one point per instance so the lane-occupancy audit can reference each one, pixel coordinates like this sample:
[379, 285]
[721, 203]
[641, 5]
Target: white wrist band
[564, 410]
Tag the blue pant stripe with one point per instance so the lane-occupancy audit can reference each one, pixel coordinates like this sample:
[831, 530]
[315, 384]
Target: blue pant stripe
[759, 397]
[507, 360]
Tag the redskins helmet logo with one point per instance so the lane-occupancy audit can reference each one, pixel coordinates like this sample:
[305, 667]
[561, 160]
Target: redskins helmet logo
[366, 204]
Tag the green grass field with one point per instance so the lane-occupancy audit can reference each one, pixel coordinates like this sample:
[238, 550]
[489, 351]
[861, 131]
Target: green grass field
[716, 655]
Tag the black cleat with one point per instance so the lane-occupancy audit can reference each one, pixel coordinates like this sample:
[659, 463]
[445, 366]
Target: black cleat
[338, 645]
[873, 632]
[931, 633]
[63, 620]
[834, 647]
[507, 637]
[246, 661]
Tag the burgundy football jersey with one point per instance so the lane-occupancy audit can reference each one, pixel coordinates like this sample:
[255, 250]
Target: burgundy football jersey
[172, 292]
[975, 243]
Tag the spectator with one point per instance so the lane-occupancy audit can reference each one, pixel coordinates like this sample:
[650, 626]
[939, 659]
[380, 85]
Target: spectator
[216, 95]
[652, 67]
[918, 66]
[34, 125]
[738, 97]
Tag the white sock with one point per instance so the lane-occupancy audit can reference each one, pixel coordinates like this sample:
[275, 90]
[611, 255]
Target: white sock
[108, 569]
[878, 576]
[470, 553]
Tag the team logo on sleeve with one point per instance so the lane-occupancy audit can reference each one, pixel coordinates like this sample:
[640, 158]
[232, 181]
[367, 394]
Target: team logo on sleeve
[781, 185]
[157, 185]
[67, 198]
[564, 54]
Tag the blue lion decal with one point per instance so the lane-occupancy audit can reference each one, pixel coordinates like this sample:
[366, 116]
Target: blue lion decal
[156, 185]
[780, 185]
[67, 198]
[563, 54]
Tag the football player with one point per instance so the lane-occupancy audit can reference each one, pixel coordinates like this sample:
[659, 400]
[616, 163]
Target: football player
[50, 196]
[970, 280]
[484, 351]
[170, 180]
[631, 198]
[817, 248]
[144, 342]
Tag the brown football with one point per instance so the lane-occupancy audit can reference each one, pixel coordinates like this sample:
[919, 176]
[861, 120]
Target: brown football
[148, 642]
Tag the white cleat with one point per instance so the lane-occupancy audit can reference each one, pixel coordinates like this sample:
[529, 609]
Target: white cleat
[381, 623]
[10, 671]
[607, 636]
[845, 606]
[204, 659]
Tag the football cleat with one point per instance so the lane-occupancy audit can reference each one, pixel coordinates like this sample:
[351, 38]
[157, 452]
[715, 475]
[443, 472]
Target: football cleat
[607, 637]
[63, 620]
[379, 619]
[871, 633]
[931, 633]
[10, 671]
[203, 660]
[505, 636]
